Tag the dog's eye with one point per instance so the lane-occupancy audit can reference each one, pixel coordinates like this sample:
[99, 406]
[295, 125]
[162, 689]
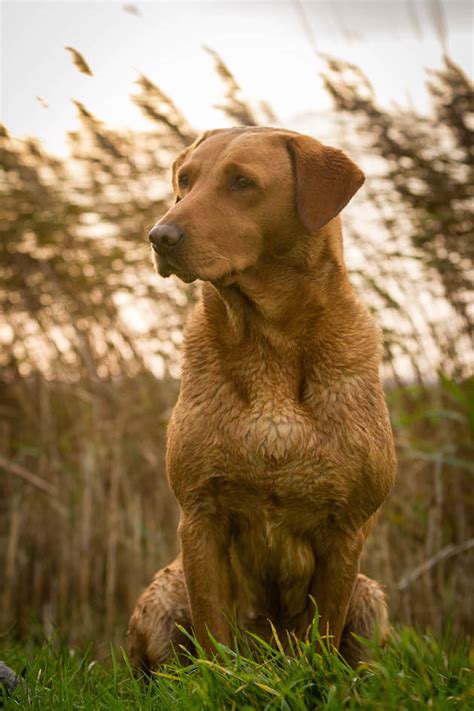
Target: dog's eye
[240, 182]
[183, 180]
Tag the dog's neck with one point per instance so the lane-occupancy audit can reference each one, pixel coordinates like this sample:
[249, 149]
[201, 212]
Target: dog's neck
[281, 296]
[277, 295]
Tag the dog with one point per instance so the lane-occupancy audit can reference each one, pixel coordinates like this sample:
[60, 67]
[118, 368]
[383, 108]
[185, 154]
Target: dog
[280, 449]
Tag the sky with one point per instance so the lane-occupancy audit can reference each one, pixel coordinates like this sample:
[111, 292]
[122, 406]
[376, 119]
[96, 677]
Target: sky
[272, 48]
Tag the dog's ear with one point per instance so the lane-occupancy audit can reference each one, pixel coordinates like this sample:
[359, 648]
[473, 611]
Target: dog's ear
[326, 179]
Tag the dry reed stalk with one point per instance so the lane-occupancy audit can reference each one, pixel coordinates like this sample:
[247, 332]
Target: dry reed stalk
[88, 471]
[30, 477]
[113, 516]
[10, 562]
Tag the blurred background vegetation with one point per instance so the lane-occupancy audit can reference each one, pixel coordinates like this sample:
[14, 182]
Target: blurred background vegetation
[90, 354]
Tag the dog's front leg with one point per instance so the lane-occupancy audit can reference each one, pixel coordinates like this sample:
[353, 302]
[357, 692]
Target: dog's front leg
[205, 546]
[336, 572]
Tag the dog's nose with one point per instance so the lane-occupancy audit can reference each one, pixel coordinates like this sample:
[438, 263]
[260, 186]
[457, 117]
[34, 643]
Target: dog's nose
[163, 237]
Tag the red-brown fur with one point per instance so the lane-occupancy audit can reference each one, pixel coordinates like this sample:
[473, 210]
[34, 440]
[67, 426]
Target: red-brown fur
[280, 449]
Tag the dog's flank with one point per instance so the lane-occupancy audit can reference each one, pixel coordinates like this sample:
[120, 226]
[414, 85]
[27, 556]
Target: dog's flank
[279, 450]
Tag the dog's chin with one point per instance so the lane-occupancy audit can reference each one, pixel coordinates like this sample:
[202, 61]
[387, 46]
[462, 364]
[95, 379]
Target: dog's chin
[225, 280]
[166, 269]
[185, 276]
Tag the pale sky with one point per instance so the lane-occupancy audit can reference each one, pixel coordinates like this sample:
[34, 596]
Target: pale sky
[266, 44]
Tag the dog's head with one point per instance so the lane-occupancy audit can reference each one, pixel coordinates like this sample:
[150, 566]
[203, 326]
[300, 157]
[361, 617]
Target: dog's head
[243, 194]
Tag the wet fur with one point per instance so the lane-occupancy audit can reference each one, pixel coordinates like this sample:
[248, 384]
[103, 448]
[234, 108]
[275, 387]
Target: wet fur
[280, 449]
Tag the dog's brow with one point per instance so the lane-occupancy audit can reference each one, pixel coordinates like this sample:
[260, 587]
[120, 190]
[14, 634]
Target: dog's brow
[237, 166]
[190, 168]
[241, 168]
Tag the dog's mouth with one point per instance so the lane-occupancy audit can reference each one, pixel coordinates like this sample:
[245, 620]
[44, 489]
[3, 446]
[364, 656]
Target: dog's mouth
[166, 267]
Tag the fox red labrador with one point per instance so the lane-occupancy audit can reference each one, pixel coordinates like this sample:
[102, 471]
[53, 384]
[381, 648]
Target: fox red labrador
[280, 449]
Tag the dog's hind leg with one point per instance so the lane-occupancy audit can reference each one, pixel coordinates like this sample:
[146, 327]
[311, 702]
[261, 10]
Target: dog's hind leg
[153, 635]
[367, 617]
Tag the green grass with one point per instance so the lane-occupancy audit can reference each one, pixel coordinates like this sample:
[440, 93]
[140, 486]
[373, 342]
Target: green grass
[413, 672]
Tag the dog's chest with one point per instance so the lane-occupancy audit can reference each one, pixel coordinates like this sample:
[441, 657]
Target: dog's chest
[272, 429]
[258, 415]
[252, 438]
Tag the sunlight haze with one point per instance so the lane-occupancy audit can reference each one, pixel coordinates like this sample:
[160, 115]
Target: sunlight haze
[270, 47]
